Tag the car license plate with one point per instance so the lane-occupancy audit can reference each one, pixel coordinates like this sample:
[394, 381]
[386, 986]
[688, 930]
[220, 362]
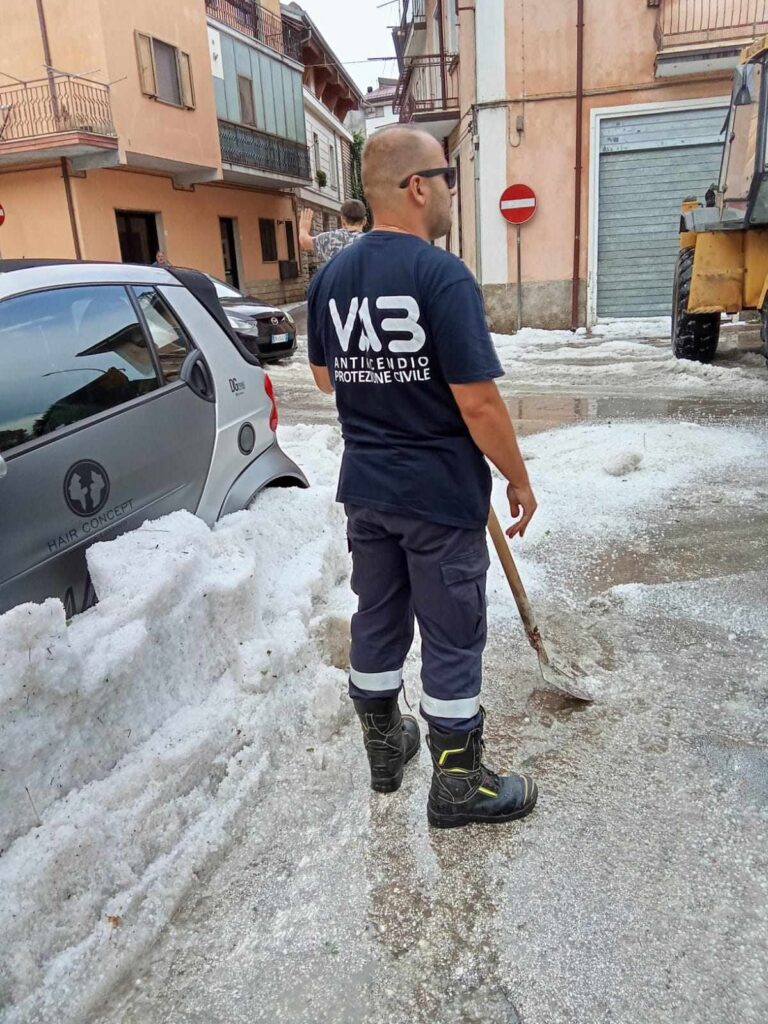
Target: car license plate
[279, 339]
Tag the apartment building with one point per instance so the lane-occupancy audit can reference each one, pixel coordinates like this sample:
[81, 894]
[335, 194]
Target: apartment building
[378, 105]
[330, 96]
[179, 126]
[428, 93]
[612, 113]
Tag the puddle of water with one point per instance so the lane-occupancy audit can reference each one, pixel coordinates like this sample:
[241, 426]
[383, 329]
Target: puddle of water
[697, 547]
[535, 413]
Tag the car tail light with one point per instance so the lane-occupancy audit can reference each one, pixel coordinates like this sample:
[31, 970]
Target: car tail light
[271, 396]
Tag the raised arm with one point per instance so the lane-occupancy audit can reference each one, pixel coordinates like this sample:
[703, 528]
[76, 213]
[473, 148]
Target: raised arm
[306, 241]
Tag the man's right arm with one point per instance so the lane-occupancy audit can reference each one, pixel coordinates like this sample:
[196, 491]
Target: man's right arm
[315, 347]
[470, 364]
[322, 378]
[487, 418]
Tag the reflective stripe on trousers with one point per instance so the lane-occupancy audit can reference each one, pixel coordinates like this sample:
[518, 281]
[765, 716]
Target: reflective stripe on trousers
[401, 567]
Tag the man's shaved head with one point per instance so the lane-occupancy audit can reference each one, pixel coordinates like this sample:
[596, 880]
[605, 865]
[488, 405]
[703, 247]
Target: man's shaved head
[393, 154]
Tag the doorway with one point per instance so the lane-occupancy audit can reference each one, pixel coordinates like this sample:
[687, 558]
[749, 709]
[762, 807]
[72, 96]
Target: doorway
[138, 236]
[229, 251]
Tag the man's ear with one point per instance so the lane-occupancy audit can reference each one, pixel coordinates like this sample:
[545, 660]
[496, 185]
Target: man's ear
[418, 191]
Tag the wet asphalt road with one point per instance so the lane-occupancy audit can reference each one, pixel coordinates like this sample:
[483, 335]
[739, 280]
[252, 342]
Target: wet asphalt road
[637, 892]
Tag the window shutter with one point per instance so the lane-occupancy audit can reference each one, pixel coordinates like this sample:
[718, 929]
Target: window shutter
[185, 80]
[147, 77]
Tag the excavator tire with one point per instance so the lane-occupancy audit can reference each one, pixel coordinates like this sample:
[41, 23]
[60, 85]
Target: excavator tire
[694, 335]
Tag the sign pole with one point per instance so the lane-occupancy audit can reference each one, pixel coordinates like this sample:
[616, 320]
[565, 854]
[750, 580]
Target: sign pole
[517, 205]
[519, 283]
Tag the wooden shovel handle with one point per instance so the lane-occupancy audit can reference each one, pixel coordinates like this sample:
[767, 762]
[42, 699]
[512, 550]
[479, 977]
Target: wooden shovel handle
[513, 576]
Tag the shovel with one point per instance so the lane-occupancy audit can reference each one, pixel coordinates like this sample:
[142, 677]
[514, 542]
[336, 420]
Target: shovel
[552, 674]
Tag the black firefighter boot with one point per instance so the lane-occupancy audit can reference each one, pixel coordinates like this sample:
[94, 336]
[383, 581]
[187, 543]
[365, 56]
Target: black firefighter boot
[391, 740]
[464, 791]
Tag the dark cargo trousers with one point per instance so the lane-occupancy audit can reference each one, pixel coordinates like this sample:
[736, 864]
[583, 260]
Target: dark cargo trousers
[402, 566]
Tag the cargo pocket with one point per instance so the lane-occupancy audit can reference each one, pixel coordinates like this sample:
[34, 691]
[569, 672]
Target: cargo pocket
[464, 597]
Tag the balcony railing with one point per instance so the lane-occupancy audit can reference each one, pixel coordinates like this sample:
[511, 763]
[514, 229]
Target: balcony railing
[426, 86]
[254, 20]
[248, 147]
[36, 109]
[413, 17]
[692, 22]
[413, 11]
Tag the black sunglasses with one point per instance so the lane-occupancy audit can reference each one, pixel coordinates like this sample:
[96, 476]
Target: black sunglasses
[449, 173]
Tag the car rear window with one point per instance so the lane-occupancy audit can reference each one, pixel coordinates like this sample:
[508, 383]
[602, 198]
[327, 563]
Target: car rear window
[67, 354]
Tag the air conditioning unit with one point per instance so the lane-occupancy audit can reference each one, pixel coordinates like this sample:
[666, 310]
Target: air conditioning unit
[289, 270]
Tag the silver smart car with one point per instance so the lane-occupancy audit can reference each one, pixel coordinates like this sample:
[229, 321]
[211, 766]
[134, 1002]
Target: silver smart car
[124, 395]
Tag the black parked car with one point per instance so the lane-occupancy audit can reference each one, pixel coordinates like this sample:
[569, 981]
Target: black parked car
[266, 331]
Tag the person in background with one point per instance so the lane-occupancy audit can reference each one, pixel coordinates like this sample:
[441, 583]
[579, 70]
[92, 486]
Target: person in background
[161, 260]
[327, 244]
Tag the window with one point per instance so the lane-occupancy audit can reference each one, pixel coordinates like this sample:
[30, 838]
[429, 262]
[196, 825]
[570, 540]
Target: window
[138, 236]
[741, 134]
[316, 150]
[229, 250]
[333, 167]
[170, 342]
[67, 354]
[223, 290]
[245, 93]
[453, 28]
[165, 72]
[268, 240]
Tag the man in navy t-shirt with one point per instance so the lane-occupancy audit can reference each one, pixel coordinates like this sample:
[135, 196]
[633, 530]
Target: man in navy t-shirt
[397, 331]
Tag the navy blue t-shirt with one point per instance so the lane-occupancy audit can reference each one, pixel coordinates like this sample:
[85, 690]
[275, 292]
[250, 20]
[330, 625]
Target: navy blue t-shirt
[396, 320]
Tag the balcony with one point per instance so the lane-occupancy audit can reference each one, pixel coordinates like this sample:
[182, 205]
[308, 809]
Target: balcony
[696, 36]
[410, 35]
[249, 154]
[427, 93]
[256, 21]
[60, 117]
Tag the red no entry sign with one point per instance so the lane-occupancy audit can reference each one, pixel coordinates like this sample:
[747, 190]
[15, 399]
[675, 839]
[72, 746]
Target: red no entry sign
[2, 214]
[518, 203]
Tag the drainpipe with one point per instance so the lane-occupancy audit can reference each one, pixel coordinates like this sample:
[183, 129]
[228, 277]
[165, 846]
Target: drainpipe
[478, 226]
[578, 167]
[441, 43]
[55, 108]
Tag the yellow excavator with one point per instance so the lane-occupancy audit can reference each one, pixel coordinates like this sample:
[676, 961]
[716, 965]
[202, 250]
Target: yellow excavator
[722, 266]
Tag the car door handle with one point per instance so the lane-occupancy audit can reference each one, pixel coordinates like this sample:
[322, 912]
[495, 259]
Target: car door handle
[197, 376]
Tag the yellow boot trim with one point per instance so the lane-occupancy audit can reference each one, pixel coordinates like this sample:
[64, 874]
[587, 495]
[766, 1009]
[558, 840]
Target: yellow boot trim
[445, 753]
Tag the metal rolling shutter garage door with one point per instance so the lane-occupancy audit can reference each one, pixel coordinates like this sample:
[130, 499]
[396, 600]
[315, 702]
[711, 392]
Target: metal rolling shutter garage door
[648, 164]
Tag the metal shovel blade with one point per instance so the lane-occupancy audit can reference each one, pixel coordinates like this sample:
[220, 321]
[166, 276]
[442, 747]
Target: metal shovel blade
[554, 676]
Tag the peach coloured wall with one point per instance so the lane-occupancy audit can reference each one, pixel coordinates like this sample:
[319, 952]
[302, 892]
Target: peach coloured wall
[97, 37]
[36, 219]
[189, 220]
[145, 125]
[22, 47]
[76, 36]
[541, 83]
